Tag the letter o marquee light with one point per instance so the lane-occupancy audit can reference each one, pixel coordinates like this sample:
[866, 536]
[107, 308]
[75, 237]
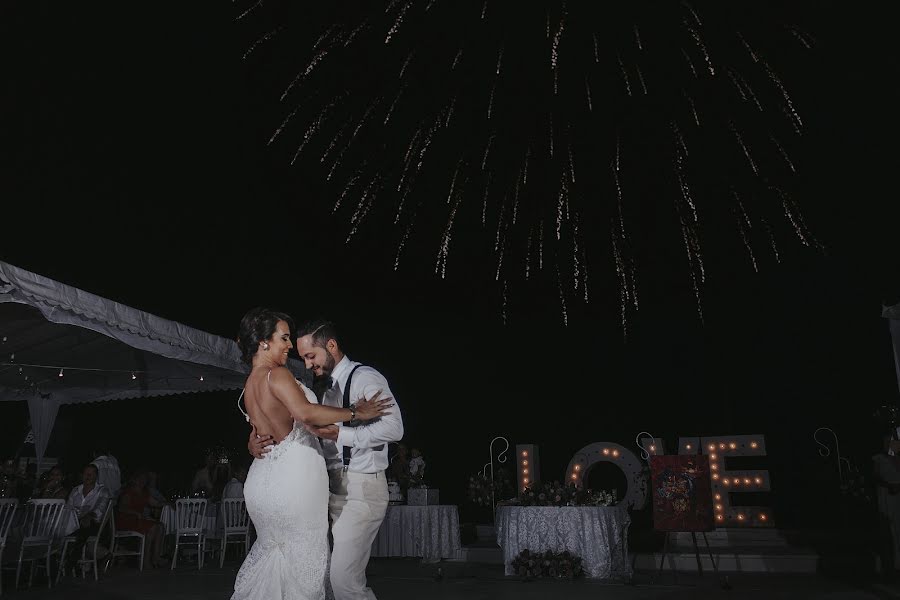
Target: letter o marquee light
[636, 494]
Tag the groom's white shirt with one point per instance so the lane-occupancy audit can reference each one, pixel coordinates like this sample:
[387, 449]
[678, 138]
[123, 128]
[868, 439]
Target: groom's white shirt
[362, 440]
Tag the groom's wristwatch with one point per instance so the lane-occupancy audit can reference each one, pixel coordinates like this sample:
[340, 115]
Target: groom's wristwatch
[352, 413]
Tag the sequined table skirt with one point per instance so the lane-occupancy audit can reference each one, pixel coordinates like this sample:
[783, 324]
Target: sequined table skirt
[431, 532]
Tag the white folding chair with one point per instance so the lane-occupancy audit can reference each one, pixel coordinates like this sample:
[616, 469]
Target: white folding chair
[236, 525]
[8, 508]
[39, 537]
[116, 550]
[190, 523]
[87, 560]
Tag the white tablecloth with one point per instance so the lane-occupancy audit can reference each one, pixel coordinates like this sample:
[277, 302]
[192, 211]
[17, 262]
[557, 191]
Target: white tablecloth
[598, 534]
[213, 528]
[431, 532]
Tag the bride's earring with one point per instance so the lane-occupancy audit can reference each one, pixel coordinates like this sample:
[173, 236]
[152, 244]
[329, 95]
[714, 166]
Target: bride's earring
[265, 345]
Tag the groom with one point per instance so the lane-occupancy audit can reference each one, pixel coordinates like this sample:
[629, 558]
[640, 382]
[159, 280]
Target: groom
[356, 457]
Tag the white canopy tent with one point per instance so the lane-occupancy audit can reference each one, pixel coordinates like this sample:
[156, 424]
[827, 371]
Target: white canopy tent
[62, 345]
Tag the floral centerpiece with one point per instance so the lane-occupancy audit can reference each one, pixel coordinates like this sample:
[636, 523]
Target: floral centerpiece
[563, 564]
[481, 486]
[558, 494]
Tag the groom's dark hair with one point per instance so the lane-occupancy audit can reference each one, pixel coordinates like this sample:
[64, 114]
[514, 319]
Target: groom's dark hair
[321, 330]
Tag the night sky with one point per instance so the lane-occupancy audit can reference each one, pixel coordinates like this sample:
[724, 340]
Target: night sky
[135, 166]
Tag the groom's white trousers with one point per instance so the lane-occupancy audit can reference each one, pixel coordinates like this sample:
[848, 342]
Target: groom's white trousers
[356, 505]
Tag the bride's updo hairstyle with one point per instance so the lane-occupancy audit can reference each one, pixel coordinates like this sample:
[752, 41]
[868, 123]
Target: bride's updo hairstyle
[258, 325]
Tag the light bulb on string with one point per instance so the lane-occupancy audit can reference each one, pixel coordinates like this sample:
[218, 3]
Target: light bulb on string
[133, 376]
[201, 378]
[60, 372]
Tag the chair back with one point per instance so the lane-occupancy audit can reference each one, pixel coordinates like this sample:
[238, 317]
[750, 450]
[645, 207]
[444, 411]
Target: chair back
[190, 515]
[42, 519]
[234, 515]
[109, 520]
[8, 508]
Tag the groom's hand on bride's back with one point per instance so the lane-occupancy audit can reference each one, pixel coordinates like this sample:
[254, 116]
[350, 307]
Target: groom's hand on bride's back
[259, 445]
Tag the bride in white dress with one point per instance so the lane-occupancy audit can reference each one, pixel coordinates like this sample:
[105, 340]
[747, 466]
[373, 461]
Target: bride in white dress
[287, 491]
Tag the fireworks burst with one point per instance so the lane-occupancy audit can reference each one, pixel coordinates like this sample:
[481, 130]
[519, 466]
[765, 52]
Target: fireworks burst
[497, 103]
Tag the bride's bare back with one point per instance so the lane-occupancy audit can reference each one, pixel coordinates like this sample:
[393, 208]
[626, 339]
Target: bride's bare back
[267, 413]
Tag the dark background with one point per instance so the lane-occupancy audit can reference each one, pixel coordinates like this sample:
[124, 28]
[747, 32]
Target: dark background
[135, 166]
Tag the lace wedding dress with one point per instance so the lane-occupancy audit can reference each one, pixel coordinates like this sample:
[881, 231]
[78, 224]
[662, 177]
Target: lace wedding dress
[287, 498]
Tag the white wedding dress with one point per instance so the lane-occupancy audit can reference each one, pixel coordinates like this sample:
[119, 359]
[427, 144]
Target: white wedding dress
[287, 498]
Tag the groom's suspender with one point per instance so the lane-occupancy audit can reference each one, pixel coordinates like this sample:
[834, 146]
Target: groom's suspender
[347, 405]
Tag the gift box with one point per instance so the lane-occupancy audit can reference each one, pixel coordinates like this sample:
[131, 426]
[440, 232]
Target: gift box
[422, 496]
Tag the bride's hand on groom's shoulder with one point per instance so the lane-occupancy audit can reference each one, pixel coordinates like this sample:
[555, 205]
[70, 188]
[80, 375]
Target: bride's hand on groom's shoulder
[328, 432]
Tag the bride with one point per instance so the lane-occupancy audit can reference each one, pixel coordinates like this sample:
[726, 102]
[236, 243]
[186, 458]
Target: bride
[287, 491]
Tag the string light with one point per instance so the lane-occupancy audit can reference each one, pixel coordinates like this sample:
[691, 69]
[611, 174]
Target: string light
[688, 446]
[753, 445]
[60, 372]
[201, 378]
[133, 376]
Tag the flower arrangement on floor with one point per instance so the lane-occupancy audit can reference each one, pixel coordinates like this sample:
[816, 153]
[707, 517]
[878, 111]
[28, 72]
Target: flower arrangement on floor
[558, 494]
[563, 564]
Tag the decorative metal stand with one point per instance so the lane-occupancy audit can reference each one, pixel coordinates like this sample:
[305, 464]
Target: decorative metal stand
[825, 452]
[501, 458]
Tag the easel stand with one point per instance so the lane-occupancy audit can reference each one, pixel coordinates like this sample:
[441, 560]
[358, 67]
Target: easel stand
[724, 582]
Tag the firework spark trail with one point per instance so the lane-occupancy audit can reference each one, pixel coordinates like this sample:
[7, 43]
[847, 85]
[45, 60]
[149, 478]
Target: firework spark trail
[515, 207]
[637, 37]
[355, 32]
[744, 226]
[430, 4]
[587, 89]
[406, 63]
[624, 74]
[334, 140]
[548, 24]
[620, 271]
[402, 202]
[798, 124]
[736, 83]
[784, 154]
[618, 150]
[596, 50]
[571, 164]
[347, 188]
[505, 301]
[314, 126]
[576, 266]
[551, 134]
[336, 163]
[640, 75]
[562, 298]
[364, 119]
[391, 5]
[484, 9]
[484, 200]
[560, 203]
[502, 247]
[689, 224]
[528, 253]
[749, 90]
[743, 147]
[499, 60]
[748, 47]
[364, 206]
[281, 127]
[525, 167]
[772, 240]
[541, 247]
[792, 212]
[557, 36]
[500, 222]
[459, 165]
[397, 22]
[450, 110]
[249, 10]
[265, 37]
[491, 100]
[698, 40]
[317, 58]
[456, 59]
[693, 108]
[390, 111]
[804, 38]
[624, 268]
[443, 253]
[687, 58]
[487, 149]
[693, 13]
[427, 143]
[679, 138]
[401, 245]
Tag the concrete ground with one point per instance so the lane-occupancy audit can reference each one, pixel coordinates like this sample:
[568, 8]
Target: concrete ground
[402, 579]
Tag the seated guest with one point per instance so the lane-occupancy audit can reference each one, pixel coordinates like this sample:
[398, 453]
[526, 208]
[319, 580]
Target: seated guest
[89, 500]
[53, 486]
[235, 487]
[205, 478]
[133, 500]
[108, 468]
[221, 477]
[153, 487]
[399, 467]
